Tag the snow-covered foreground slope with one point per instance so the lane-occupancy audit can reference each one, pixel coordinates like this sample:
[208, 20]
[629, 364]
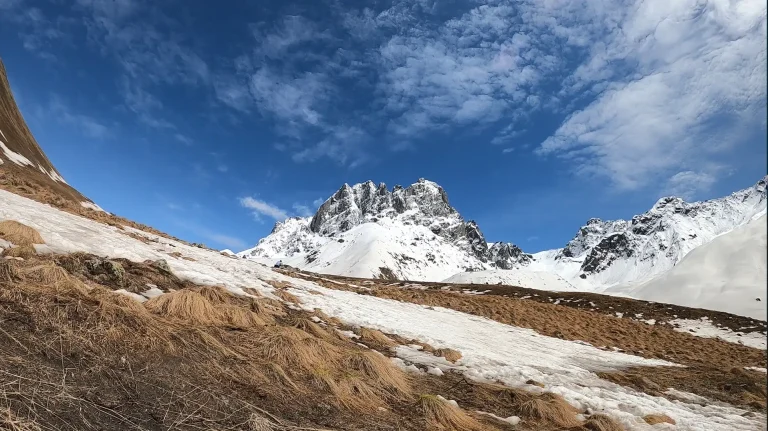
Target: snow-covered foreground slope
[727, 274]
[514, 277]
[491, 350]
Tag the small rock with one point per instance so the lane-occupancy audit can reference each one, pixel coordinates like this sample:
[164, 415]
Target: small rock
[162, 265]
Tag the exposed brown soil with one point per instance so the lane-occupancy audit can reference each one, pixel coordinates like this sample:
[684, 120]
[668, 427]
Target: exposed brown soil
[78, 357]
[708, 357]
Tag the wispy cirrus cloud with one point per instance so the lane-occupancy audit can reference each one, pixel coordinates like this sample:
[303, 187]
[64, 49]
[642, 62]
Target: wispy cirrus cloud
[87, 125]
[261, 208]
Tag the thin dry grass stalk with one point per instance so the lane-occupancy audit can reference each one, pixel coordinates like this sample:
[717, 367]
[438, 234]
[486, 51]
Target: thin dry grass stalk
[19, 234]
[441, 415]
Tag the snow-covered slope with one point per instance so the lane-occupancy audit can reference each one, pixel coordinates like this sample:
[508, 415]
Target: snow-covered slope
[609, 253]
[727, 274]
[369, 231]
[491, 350]
[514, 277]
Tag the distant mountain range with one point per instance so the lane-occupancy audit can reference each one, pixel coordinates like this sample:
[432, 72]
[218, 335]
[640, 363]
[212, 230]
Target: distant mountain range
[413, 233]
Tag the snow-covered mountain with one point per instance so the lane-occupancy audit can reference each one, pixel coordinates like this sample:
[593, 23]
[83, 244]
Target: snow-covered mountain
[726, 274]
[414, 233]
[367, 230]
[609, 253]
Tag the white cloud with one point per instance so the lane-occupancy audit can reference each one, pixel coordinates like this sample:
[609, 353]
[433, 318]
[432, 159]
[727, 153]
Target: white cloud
[687, 184]
[261, 208]
[85, 124]
[317, 202]
[692, 72]
[302, 210]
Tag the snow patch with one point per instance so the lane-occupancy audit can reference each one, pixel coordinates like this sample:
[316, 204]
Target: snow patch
[92, 206]
[14, 156]
[706, 329]
[514, 277]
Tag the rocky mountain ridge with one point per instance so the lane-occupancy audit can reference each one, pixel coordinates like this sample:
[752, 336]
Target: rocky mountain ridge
[430, 232]
[423, 203]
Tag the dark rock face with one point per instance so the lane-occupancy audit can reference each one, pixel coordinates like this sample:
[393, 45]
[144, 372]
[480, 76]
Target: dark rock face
[508, 255]
[606, 251]
[423, 203]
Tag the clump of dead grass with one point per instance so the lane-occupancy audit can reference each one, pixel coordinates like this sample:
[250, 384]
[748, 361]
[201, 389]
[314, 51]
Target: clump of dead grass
[450, 355]
[215, 294]
[654, 419]
[19, 233]
[293, 348]
[11, 422]
[376, 338]
[45, 273]
[22, 251]
[311, 327]
[441, 415]
[548, 408]
[377, 368]
[8, 271]
[186, 305]
[285, 296]
[601, 422]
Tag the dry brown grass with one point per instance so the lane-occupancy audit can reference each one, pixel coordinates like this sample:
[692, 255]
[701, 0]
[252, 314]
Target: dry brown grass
[311, 327]
[22, 251]
[379, 369]
[450, 355]
[277, 284]
[19, 234]
[11, 422]
[376, 338]
[292, 348]
[185, 305]
[46, 273]
[216, 294]
[548, 408]
[601, 422]
[8, 271]
[654, 419]
[285, 296]
[441, 415]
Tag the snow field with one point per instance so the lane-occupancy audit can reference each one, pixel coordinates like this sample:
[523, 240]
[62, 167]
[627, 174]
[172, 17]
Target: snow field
[491, 350]
[514, 277]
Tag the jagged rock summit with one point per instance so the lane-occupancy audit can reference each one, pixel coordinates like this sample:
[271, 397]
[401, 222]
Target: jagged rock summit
[421, 212]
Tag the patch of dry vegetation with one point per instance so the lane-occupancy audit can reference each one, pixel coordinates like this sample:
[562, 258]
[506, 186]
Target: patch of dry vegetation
[190, 358]
[450, 355]
[442, 415]
[22, 251]
[654, 419]
[19, 233]
[376, 339]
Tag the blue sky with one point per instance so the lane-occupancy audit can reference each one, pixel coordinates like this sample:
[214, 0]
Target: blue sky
[533, 115]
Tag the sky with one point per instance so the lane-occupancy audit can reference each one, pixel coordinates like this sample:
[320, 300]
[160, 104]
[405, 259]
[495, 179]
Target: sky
[212, 120]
